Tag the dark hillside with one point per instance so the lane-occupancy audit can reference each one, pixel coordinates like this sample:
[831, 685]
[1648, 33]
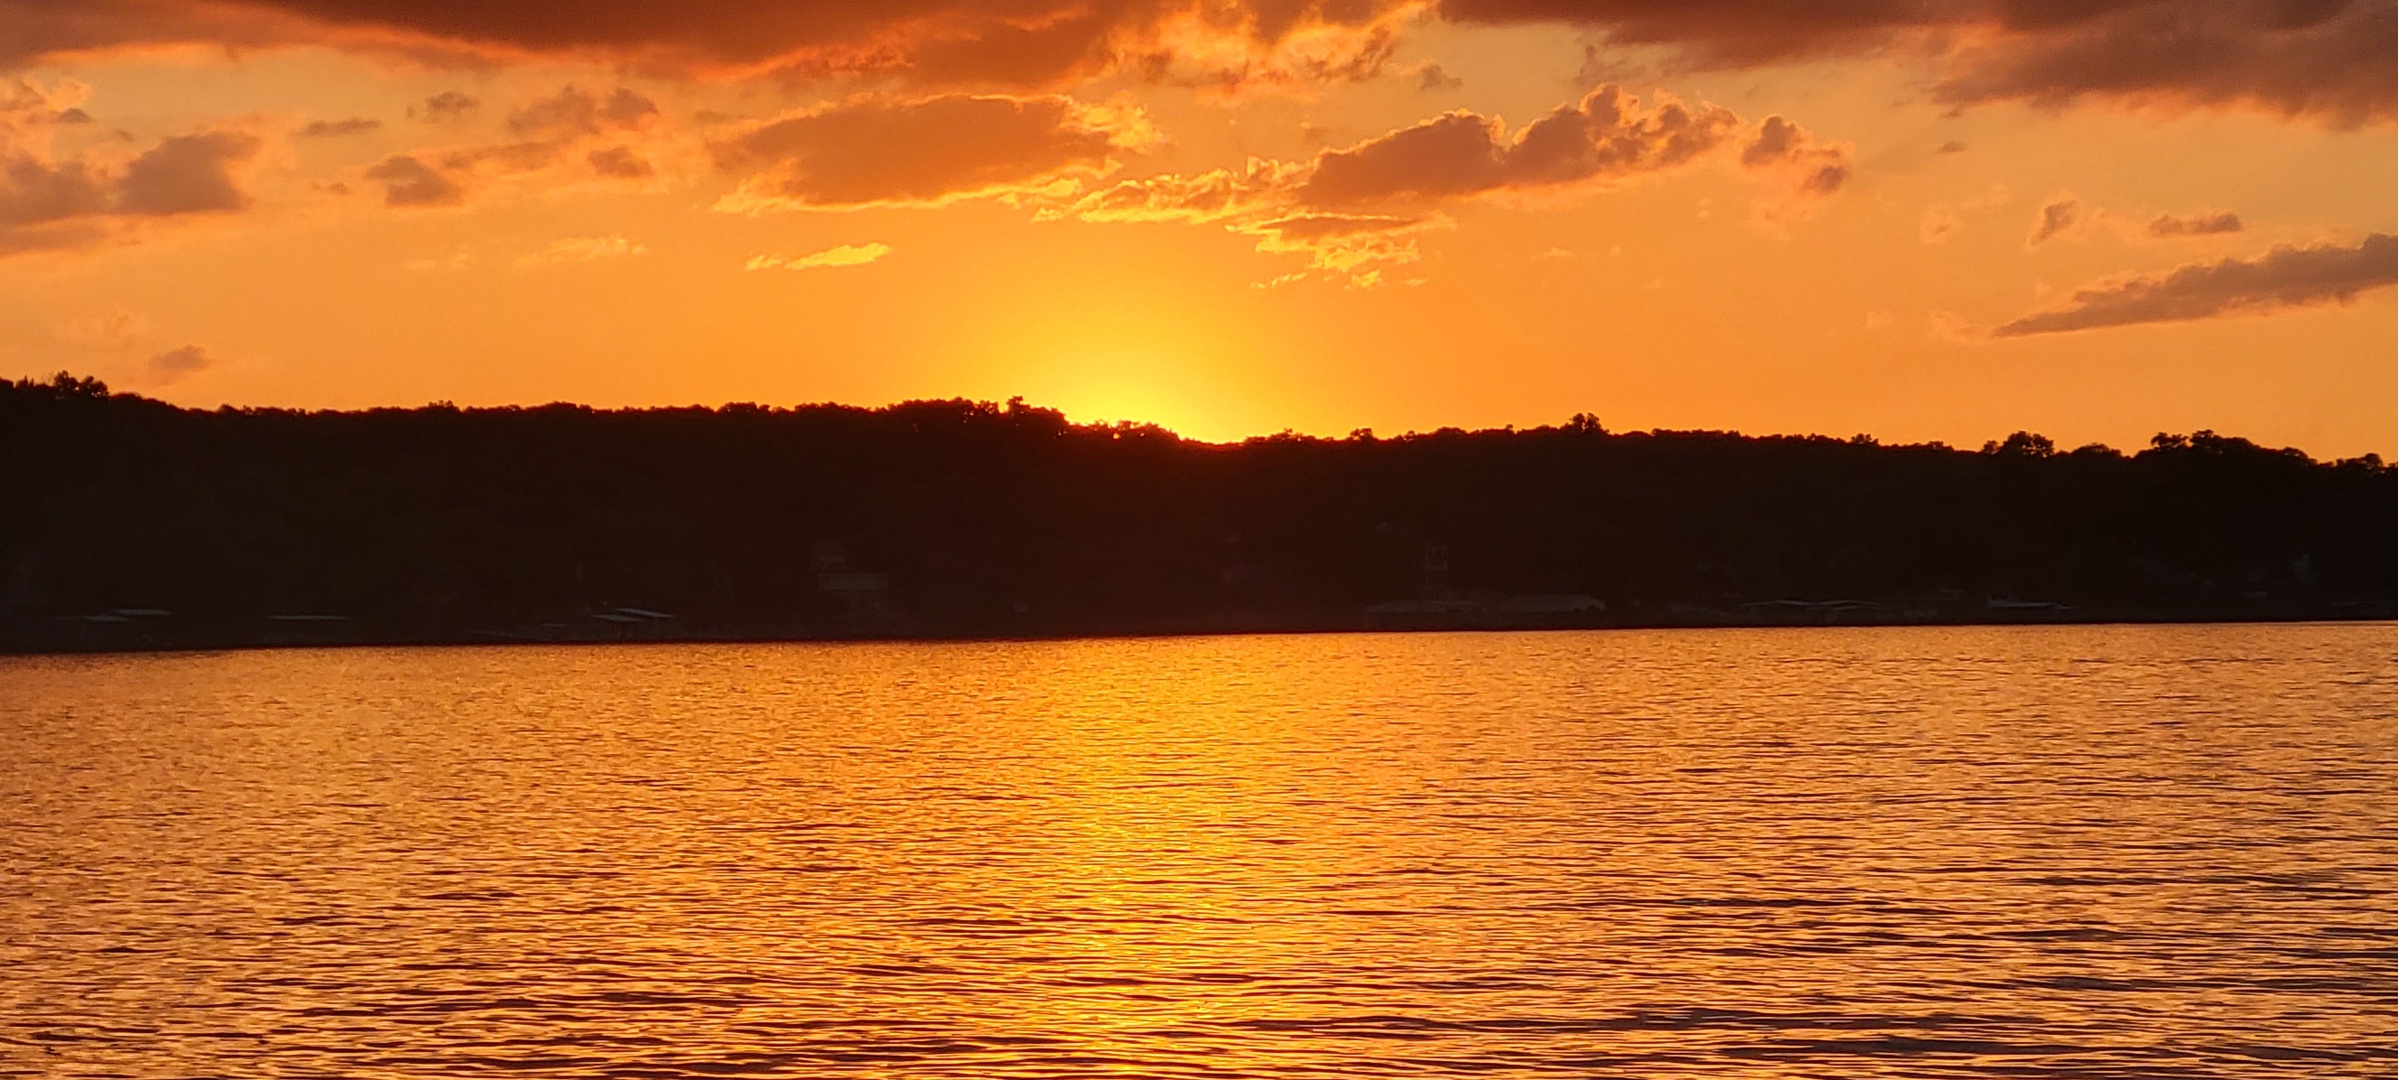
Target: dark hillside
[125, 522]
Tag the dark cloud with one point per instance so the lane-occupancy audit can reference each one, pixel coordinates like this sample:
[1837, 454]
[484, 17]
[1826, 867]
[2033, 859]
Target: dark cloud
[33, 32]
[2207, 224]
[2331, 59]
[620, 163]
[445, 106]
[1723, 32]
[2062, 215]
[2334, 59]
[175, 364]
[1431, 78]
[327, 129]
[874, 151]
[1782, 145]
[37, 192]
[52, 204]
[2283, 277]
[2067, 217]
[187, 174]
[1001, 43]
[409, 182]
[571, 125]
[1606, 135]
[572, 112]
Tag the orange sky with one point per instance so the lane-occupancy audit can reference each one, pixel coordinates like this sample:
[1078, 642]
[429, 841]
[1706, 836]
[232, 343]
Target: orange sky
[1950, 219]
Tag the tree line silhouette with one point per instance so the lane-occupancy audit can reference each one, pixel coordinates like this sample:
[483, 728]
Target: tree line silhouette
[126, 522]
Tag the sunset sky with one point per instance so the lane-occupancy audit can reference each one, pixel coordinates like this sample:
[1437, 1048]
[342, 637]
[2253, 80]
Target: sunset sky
[1918, 219]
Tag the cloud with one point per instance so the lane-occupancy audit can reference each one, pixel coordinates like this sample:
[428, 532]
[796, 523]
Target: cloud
[327, 129]
[573, 111]
[1263, 185]
[174, 365]
[582, 249]
[1355, 246]
[1605, 136]
[2334, 60]
[2061, 215]
[2209, 223]
[34, 192]
[2066, 217]
[1356, 206]
[51, 203]
[2283, 277]
[1013, 44]
[1722, 32]
[187, 174]
[1431, 78]
[1939, 223]
[1807, 170]
[844, 255]
[117, 329]
[409, 182]
[621, 163]
[883, 152]
[548, 138]
[2331, 59]
[446, 106]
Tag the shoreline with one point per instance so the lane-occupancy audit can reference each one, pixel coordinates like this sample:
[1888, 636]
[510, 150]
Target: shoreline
[1131, 633]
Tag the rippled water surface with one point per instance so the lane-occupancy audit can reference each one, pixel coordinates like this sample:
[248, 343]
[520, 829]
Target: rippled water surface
[2068, 852]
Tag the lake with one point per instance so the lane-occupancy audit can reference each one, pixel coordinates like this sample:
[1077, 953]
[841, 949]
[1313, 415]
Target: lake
[2148, 852]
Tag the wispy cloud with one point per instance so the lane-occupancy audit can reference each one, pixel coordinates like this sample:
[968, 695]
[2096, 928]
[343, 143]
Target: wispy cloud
[2283, 277]
[331, 129]
[2209, 223]
[844, 255]
[582, 249]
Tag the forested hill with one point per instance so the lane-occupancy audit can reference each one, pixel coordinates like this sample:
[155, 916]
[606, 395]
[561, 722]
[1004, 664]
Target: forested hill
[125, 522]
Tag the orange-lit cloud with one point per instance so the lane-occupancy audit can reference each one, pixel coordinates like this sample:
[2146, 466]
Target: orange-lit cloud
[1262, 185]
[2284, 277]
[1355, 247]
[882, 152]
[843, 255]
[1354, 207]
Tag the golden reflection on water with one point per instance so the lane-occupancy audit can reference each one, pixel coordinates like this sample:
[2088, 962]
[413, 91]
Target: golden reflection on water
[2087, 852]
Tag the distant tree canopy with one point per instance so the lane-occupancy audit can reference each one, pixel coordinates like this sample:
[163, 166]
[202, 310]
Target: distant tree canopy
[961, 517]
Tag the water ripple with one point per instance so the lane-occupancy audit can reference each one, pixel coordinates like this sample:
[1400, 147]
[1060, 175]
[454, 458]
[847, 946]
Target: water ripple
[2097, 853]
